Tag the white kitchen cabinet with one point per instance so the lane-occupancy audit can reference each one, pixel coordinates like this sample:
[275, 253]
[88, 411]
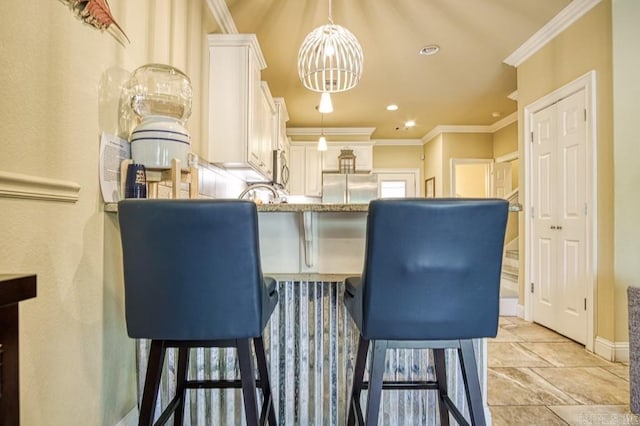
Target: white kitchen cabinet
[282, 116]
[266, 132]
[363, 153]
[306, 170]
[237, 107]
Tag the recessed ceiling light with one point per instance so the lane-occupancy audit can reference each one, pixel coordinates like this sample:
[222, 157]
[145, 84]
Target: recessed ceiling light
[392, 107]
[495, 114]
[429, 50]
[409, 123]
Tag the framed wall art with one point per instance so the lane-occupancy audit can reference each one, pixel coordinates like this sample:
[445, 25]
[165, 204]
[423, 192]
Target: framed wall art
[430, 187]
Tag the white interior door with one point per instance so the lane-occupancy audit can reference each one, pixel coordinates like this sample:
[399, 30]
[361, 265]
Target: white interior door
[502, 179]
[559, 217]
[397, 183]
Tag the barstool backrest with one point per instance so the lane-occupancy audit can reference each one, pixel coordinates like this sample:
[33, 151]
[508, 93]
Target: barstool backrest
[191, 269]
[432, 268]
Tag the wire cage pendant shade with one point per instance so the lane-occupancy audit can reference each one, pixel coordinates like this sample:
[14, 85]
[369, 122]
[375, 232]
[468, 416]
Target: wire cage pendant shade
[330, 59]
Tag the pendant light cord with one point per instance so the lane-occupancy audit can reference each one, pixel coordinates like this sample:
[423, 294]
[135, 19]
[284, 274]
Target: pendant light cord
[330, 16]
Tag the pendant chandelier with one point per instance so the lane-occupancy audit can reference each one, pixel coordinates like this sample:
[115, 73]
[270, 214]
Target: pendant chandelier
[330, 59]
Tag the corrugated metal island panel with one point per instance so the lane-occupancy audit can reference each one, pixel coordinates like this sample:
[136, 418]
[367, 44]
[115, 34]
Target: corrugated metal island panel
[311, 345]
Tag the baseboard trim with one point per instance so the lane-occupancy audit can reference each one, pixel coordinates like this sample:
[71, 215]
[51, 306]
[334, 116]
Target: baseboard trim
[612, 351]
[520, 311]
[131, 419]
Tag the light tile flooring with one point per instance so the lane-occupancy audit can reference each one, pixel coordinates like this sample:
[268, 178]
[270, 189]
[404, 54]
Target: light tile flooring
[537, 377]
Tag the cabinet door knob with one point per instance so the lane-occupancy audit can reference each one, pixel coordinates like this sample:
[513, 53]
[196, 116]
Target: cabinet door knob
[553, 227]
[559, 227]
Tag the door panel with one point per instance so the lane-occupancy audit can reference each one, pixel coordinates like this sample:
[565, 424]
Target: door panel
[501, 180]
[558, 219]
[573, 187]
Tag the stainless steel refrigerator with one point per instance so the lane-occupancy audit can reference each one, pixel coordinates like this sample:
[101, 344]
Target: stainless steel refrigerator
[349, 188]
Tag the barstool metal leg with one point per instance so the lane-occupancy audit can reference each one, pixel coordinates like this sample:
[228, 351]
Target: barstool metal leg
[265, 384]
[376, 374]
[440, 367]
[181, 390]
[354, 409]
[247, 378]
[152, 382]
[471, 382]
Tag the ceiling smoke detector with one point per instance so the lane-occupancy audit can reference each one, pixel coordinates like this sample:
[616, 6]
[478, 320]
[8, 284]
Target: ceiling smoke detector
[429, 50]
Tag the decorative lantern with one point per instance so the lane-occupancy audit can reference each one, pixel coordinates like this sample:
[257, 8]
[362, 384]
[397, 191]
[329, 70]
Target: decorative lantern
[346, 161]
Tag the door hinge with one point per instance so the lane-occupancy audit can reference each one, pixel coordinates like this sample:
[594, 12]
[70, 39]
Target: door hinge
[585, 114]
[532, 215]
[585, 303]
[586, 209]
[531, 137]
[531, 287]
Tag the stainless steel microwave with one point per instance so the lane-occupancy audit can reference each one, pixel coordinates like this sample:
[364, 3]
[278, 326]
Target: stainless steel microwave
[280, 168]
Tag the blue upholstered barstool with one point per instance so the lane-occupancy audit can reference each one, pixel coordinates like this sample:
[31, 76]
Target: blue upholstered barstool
[193, 279]
[431, 280]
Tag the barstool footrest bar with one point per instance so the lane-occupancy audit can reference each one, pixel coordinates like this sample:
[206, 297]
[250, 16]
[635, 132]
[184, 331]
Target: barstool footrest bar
[453, 410]
[217, 384]
[406, 385]
[166, 414]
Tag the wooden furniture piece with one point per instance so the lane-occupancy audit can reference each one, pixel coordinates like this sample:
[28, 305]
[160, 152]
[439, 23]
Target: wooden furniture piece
[13, 289]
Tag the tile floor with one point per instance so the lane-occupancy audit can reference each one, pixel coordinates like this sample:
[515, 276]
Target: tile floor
[537, 377]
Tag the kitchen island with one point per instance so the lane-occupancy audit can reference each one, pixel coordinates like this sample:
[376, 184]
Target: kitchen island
[311, 341]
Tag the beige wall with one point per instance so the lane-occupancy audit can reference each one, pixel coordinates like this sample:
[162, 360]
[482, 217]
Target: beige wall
[77, 365]
[505, 140]
[462, 145]
[626, 104]
[584, 46]
[399, 157]
[433, 162]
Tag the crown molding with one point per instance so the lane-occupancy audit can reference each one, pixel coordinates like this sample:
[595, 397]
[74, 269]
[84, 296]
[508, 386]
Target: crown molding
[349, 132]
[17, 185]
[398, 142]
[222, 15]
[565, 18]
[511, 118]
[454, 129]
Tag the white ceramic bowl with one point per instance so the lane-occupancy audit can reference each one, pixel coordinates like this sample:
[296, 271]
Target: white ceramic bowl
[158, 153]
[159, 134]
[159, 139]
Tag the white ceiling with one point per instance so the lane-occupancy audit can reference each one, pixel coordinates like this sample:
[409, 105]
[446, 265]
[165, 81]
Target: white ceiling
[464, 84]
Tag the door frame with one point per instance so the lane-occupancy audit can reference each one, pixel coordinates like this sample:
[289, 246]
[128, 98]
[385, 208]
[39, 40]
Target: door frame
[588, 83]
[488, 177]
[415, 172]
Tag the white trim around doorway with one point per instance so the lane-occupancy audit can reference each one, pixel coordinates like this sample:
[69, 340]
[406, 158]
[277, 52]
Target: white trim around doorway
[588, 83]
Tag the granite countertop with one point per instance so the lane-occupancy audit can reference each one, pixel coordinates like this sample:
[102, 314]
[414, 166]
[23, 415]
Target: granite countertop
[288, 207]
[295, 207]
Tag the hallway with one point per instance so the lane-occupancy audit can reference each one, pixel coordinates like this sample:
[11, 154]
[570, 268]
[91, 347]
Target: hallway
[538, 377]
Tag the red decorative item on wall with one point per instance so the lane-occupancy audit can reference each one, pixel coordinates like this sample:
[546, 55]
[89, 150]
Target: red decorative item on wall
[97, 14]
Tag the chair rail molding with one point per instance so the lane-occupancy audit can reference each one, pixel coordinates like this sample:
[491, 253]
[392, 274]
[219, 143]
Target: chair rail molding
[17, 185]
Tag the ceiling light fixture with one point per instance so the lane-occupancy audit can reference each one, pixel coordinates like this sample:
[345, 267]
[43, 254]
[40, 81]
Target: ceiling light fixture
[429, 50]
[392, 107]
[322, 142]
[325, 106]
[409, 123]
[330, 59]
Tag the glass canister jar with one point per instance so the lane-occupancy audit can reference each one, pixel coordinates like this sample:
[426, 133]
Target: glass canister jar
[158, 89]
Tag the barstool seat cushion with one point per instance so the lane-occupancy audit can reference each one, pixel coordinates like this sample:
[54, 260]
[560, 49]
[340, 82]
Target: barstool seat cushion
[193, 270]
[432, 270]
